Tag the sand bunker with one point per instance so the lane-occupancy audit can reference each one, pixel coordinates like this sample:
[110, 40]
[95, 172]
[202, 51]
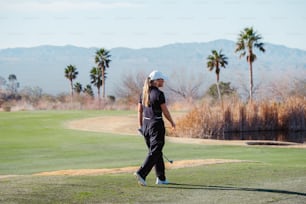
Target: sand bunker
[131, 169]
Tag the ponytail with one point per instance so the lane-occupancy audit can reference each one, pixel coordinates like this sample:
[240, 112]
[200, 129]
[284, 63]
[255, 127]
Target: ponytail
[146, 92]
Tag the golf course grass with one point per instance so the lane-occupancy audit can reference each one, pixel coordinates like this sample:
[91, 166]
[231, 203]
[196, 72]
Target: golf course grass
[39, 141]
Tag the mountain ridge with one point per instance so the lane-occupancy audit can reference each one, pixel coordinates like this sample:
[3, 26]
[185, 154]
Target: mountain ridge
[33, 65]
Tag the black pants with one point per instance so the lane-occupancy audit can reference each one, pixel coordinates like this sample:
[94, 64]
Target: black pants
[154, 134]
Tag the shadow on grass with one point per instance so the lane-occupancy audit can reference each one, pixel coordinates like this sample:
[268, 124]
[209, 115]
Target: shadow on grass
[227, 188]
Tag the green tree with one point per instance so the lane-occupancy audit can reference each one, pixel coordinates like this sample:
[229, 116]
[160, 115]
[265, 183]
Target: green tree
[71, 74]
[102, 59]
[247, 40]
[96, 79]
[214, 62]
[78, 88]
[225, 89]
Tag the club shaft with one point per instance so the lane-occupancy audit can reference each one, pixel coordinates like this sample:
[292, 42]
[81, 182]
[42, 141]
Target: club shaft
[167, 158]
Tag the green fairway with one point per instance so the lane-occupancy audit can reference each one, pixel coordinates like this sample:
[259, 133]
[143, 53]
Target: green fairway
[33, 142]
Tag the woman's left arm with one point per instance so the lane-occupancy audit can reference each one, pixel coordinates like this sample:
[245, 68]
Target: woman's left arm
[140, 110]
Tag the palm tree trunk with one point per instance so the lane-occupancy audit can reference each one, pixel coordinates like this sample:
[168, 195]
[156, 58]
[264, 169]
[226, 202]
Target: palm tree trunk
[99, 97]
[219, 92]
[251, 80]
[218, 88]
[71, 85]
[103, 82]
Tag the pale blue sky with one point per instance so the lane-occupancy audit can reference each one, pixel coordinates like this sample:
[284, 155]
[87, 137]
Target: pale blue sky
[152, 23]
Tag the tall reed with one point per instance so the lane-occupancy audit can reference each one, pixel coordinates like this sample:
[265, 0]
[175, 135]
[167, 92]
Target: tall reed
[209, 120]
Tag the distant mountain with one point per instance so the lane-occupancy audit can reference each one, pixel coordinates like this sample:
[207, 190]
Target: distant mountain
[44, 66]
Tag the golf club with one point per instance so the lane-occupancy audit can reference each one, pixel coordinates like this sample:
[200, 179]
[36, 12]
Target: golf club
[170, 161]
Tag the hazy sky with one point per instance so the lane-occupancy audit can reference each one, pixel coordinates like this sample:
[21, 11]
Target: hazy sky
[151, 23]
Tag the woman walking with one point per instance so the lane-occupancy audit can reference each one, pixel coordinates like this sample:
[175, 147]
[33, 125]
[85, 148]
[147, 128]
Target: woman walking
[151, 107]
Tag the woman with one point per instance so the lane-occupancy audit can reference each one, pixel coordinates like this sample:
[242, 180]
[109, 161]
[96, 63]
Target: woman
[152, 105]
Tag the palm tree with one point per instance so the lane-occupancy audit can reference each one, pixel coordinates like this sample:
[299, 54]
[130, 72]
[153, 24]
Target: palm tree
[96, 79]
[102, 59]
[248, 39]
[71, 74]
[78, 88]
[215, 61]
[88, 90]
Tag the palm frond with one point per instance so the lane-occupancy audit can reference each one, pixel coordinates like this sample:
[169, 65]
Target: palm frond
[71, 72]
[216, 59]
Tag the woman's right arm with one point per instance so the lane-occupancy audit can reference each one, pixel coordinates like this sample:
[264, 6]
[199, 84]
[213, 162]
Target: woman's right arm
[167, 114]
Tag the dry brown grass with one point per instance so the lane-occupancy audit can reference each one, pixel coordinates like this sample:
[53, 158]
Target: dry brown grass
[207, 120]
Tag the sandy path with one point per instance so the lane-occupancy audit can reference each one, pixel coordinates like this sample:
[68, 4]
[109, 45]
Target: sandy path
[112, 124]
[174, 165]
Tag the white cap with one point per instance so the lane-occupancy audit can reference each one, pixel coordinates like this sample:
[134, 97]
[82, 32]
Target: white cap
[157, 75]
